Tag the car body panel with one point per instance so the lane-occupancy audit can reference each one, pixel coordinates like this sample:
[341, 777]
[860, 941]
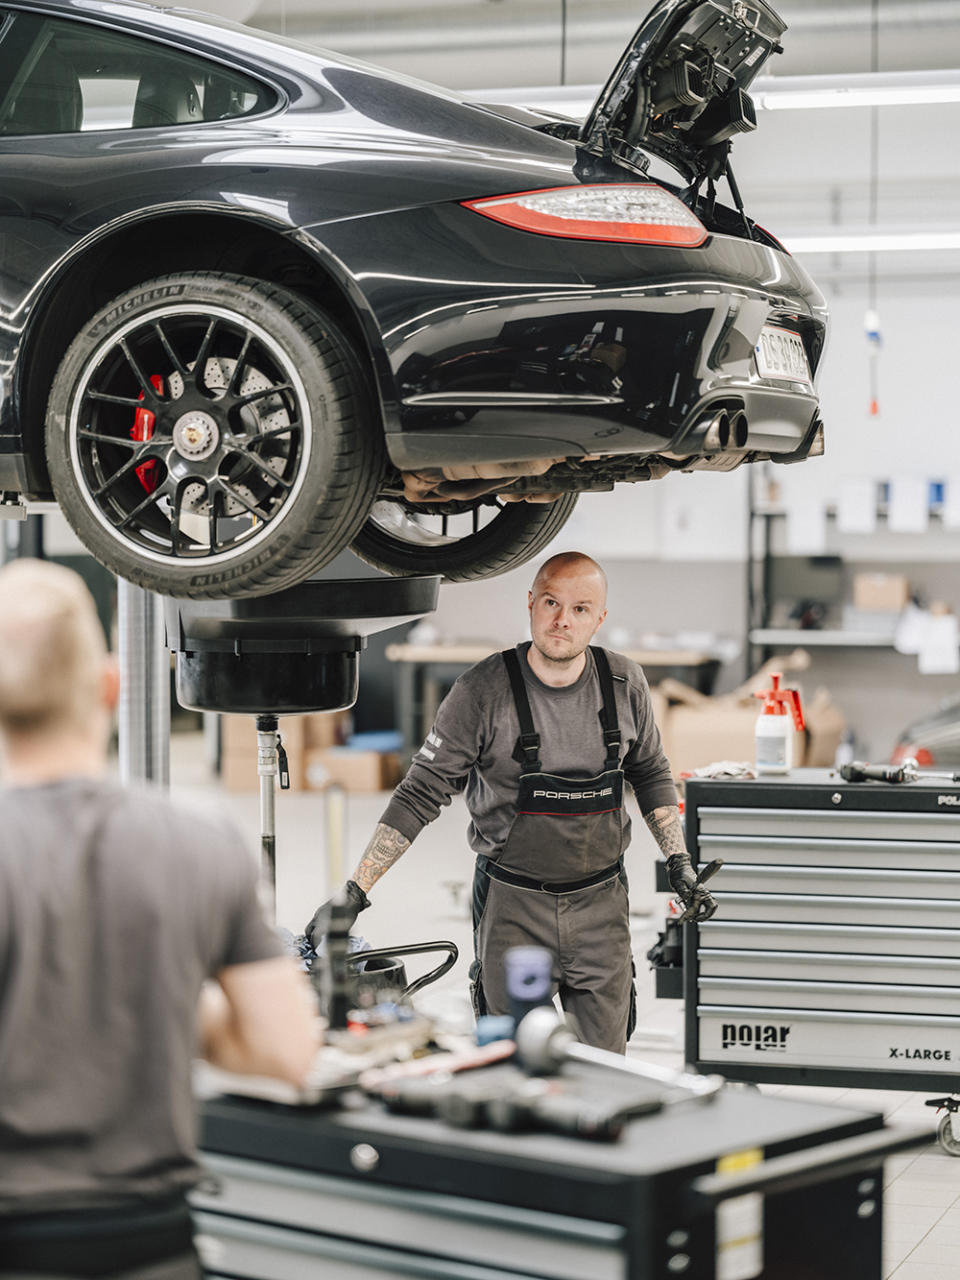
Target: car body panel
[606, 345]
[487, 342]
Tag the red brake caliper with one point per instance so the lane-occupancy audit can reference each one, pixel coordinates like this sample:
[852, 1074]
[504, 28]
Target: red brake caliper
[142, 429]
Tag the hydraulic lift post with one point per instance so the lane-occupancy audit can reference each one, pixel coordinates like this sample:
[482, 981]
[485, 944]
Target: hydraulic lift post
[143, 726]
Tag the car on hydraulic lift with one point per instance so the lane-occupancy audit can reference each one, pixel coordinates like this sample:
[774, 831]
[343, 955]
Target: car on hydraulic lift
[259, 303]
[933, 740]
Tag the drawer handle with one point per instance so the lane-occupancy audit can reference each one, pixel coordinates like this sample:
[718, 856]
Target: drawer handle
[805, 1168]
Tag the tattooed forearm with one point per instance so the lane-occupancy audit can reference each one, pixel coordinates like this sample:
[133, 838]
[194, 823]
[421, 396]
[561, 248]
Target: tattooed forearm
[667, 829]
[381, 853]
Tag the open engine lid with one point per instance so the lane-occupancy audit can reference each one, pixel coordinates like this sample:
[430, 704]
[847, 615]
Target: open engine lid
[680, 88]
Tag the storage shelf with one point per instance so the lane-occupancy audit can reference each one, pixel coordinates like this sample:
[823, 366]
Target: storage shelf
[823, 639]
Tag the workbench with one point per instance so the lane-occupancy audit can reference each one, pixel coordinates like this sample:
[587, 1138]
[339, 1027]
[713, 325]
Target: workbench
[368, 1194]
[426, 671]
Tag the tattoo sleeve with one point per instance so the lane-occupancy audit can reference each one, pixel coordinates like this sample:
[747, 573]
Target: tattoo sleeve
[381, 853]
[667, 829]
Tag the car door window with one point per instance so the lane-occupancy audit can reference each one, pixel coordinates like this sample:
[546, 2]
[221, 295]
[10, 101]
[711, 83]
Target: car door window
[63, 76]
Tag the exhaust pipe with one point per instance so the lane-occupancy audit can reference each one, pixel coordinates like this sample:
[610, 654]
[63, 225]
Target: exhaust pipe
[739, 430]
[717, 435]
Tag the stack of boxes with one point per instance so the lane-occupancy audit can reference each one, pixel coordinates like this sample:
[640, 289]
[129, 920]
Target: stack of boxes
[321, 751]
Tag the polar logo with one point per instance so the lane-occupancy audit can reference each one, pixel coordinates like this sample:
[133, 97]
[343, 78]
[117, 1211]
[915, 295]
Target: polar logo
[764, 1037]
[953, 800]
[573, 795]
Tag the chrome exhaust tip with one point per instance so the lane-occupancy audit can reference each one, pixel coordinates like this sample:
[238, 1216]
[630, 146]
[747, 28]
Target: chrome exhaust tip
[717, 435]
[817, 444]
[739, 430]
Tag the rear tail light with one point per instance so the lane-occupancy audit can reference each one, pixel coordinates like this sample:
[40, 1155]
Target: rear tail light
[904, 751]
[635, 213]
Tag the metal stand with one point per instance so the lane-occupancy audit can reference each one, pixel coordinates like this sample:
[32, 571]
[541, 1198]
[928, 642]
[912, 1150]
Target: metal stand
[143, 728]
[291, 653]
[271, 764]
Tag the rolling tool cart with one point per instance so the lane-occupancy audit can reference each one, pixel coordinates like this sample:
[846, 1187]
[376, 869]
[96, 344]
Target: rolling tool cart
[834, 957]
[742, 1187]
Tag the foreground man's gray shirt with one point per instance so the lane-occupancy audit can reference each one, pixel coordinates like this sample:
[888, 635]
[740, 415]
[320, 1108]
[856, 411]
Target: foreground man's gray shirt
[115, 906]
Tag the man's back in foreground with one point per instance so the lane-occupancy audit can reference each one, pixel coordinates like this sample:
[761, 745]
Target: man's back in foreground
[116, 906]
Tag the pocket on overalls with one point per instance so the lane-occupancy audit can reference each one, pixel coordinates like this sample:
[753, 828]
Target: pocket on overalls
[632, 1011]
[477, 998]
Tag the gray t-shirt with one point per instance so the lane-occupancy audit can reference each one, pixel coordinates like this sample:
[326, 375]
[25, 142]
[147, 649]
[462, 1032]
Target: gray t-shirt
[470, 747]
[115, 905]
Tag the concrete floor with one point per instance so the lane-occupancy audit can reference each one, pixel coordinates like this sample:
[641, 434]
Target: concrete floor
[425, 896]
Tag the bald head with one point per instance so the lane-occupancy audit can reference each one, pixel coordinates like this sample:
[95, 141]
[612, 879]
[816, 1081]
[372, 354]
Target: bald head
[571, 564]
[567, 604]
[52, 650]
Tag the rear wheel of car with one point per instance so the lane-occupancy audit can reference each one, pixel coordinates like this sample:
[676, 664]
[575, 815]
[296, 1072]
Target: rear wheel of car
[462, 542]
[212, 435]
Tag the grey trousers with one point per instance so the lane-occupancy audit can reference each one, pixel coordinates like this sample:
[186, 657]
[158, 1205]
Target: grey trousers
[588, 935]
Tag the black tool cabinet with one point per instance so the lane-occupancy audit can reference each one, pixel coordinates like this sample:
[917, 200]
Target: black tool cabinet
[740, 1187]
[834, 956]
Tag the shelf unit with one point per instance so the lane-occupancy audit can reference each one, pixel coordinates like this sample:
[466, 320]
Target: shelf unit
[781, 637]
[762, 639]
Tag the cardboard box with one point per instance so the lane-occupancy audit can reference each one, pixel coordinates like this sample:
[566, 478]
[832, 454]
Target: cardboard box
[724, 730]
[238, 771]
[826, 729]
[880, 592]
[698, 730]
[238, 734]
[239, 750]
[352, 770]
[326, 728]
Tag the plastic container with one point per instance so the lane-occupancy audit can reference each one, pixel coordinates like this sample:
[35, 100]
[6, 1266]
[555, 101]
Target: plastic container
[781, 714]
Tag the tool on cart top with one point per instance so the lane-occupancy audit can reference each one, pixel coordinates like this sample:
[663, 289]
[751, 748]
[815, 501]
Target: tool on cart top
[907, 771]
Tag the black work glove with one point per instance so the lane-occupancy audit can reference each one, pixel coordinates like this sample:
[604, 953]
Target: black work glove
[319, 926]
[683, 881]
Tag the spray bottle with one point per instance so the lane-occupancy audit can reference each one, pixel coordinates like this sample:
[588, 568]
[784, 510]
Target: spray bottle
[781, 714]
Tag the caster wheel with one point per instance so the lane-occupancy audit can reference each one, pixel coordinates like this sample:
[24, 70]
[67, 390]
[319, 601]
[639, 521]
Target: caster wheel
[945, 1136]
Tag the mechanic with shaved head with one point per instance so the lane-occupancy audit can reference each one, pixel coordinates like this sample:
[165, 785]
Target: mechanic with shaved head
[540, 738]
[115, 906]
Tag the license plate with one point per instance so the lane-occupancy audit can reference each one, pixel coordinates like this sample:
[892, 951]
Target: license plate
[781, 354]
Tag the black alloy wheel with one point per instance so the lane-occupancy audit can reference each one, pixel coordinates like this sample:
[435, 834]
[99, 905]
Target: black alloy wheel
[463, 542]
[212, 435]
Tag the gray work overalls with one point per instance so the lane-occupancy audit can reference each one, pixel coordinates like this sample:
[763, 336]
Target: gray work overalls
[559, 881]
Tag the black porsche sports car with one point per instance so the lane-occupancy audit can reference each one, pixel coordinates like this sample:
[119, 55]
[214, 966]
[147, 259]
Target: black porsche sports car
[259, 303]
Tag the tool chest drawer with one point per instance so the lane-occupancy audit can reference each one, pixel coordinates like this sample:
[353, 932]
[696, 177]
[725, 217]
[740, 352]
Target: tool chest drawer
[821, 851]
[864, 997]
[856, 881]
[826, 966]
[849, 939]
[831, 824]
[834, 956]
[268, 1220]
[930, 913]
[815, 1046]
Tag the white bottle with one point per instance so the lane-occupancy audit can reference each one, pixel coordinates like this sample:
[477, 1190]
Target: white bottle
[775, 725]
[774, 732]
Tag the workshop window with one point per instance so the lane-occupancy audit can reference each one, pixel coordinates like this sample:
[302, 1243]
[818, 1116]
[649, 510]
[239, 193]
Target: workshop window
[68, 76]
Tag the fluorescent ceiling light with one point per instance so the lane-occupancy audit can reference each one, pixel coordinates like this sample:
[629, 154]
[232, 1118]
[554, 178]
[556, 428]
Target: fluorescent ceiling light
[866, 89]
[769, 93]
[872, 241]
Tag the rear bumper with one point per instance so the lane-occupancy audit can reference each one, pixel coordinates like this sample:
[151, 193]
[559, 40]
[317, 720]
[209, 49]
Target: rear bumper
[503, 345]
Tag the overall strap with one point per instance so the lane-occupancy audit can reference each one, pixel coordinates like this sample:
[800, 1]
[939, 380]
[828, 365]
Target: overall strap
[527, 750]
[608, 715]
